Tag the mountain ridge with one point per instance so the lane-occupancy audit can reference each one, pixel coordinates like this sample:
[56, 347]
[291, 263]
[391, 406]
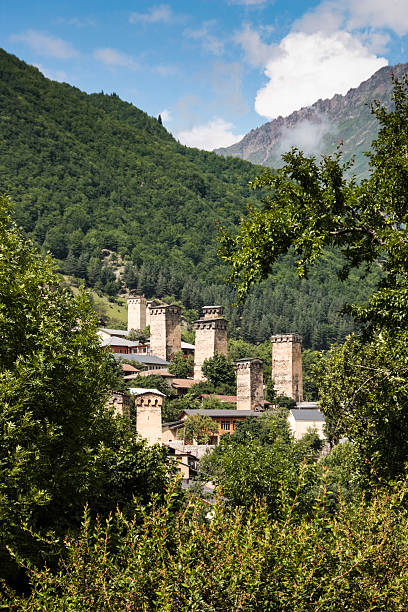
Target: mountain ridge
[344, 120]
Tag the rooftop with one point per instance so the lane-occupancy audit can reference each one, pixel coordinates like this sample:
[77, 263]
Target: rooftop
[307, 415]
[142, 391]
[142, 358]
[114, 332]
[220, 413]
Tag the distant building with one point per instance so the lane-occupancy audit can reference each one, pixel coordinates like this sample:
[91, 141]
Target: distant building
[302, 420]
[148, 404]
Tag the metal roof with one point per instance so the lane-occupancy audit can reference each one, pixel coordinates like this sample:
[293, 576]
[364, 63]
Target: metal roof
[186, 345]
[142, 358]
[307, 415]
[304, 405]
[220, 413]
[114, 332]
[117, 341]
[142, 391]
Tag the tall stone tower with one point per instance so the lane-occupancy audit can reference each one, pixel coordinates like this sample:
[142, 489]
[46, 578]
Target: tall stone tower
[136, 312]
[165, 331]
[250, 394]
[148, 403]
[211, 337]
[287, 365]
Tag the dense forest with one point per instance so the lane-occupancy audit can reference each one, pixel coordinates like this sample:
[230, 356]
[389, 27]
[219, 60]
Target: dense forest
[90, 173]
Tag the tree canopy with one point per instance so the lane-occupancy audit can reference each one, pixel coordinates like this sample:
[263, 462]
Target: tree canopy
[60, 446]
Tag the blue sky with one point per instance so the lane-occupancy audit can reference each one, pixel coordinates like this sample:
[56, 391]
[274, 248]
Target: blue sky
[214, 69]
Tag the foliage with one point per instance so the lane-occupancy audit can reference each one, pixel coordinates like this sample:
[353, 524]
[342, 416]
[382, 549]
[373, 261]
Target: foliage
[310, 361]
[258, 458]
[213, 403]
[173, 406]
[59, 445]
[199, 428]
[110, 193]
[219, 371]
[181, 366]
[139, 334]
[312, 206]
[152, 381]
[364, 391]
[160, 560]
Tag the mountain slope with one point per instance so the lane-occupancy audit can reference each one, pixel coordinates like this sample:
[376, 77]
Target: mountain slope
[111, 193]
[320, 128]
[91, 172]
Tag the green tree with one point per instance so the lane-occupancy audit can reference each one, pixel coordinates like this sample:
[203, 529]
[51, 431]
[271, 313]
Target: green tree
[310, 206]
[59, 447]
[219, 371]
[181, 366]
[199, 428]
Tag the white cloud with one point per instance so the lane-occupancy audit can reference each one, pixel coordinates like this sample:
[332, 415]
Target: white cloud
[54, 75]
[330, 15]
[209, 41]
[257, 53]
[313, 66]
[378, 14]
[45, 44]
[166, 70]
[212, 135]
[308, 136]
[112, 57]
[157, 14]
[166, 115]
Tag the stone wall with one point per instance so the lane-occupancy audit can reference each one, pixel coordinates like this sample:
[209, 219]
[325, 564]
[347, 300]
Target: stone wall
[136, 312]
[211, 338]
[287, 365]
[148, 417]
[120, 402]
[165, 331]
[250, 394]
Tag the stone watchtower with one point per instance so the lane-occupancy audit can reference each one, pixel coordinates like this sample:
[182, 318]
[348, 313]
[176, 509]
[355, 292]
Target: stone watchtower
[165, 331]
[136, 312]
[287, 365]
[250, 394]
[211, 337]
[148, 404]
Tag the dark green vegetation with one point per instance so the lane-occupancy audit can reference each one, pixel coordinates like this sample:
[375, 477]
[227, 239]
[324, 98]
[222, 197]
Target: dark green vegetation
[289, 530]
[60, 448]
[91, 173]
[242, 560]
[311, 206]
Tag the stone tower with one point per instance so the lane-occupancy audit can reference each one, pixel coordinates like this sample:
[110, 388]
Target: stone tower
[148, 404]
[136, 312]
[165, 331]
[211, 337]
[287, 365]
[250, 394]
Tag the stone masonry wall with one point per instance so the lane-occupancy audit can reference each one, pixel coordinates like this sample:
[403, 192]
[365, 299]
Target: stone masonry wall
[250, 394]
[165, 331]
[211, 338]
[136, 312]
[148, 417]
[287, 365]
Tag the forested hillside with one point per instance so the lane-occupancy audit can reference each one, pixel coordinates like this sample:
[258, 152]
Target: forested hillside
[91, 172]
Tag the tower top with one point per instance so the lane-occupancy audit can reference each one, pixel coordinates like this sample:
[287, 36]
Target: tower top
[294, 338]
